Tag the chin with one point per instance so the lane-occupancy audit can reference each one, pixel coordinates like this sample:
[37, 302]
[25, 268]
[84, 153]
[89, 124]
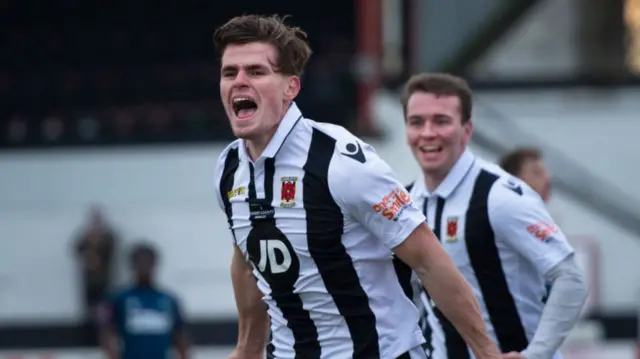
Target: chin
[246, 132]
[432, 166]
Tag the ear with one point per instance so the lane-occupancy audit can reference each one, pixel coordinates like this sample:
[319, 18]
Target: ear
[468, 130]
[293, 88]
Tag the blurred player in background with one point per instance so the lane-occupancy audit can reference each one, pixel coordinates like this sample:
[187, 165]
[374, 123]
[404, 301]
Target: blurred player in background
[527, 164]
[495, 228]
[143, 321]
[315, 216]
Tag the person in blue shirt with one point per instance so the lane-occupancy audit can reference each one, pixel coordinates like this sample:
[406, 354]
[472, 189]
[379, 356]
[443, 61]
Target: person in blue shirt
[143, 321]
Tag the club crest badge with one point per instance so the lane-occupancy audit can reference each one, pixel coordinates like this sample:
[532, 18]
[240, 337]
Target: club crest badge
[288, 192]
[452, 229]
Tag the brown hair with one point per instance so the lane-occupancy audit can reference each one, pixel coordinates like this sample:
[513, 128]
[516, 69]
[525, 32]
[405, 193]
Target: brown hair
[439, 84]
[513, 161]
[290, 43]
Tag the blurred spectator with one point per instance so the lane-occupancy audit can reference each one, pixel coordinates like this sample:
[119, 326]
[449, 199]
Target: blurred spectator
[146, 320]
[158, 121]
[88, 128]
[95, 251]
[527, 164]
[16, 131]
[52, 129]
[124, 123]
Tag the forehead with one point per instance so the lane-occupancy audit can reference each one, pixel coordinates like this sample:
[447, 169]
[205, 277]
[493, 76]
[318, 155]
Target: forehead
[533, 164]
[255, 53]
[424, 103]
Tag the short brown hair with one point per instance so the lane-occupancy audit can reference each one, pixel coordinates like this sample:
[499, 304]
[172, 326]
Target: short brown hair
[290, 42]
[439, 84]
[513, 161]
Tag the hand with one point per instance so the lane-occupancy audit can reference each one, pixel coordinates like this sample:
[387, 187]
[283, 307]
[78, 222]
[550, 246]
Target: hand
[240, 354]
[513, 355]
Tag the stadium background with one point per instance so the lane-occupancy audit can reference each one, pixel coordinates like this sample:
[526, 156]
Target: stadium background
[116, 103]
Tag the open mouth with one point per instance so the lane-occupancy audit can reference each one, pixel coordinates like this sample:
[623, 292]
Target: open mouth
[244, 107]
[431, 149]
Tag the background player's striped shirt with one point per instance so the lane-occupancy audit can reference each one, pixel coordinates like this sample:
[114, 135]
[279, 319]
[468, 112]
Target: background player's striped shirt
[501, 237]
[317, 216]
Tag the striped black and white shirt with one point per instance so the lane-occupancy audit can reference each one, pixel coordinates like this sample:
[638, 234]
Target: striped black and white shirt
[317, 215]
[501, 237]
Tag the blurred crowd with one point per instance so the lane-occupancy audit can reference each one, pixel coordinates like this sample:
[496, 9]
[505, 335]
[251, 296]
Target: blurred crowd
[98, 74]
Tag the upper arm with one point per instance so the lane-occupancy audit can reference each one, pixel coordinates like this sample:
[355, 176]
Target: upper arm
[245, 287]
[108, 313]
[240, 269]
[567, 267]
[370, 193]
[217, 177]
[522, 222]
[419, 249]
[223, 184]
[178, 317]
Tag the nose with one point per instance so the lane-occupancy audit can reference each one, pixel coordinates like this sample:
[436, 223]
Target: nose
[428, 130]
[241, 79]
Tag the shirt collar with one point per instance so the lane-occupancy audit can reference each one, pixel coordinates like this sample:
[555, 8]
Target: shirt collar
[285, 127]
[453, 179]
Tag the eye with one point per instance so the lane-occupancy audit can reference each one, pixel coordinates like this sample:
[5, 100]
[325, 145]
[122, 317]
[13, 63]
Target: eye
[442, 120]
[415, 122]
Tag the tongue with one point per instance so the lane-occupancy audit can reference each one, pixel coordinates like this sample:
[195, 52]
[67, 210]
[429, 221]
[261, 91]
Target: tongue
[246, 113]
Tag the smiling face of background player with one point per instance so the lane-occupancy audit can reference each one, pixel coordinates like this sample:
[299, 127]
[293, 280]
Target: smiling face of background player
[436, 133]
[254, 94]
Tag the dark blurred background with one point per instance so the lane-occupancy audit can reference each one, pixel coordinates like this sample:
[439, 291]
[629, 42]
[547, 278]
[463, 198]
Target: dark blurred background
[77, 73]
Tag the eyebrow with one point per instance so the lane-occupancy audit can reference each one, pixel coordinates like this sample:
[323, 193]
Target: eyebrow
[424, 117]
[251, 67]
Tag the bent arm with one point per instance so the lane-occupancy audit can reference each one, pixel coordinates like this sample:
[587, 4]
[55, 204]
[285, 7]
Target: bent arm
[253, 321]
[109, 342]
[448, 288]
[181, 343]
[521, 221]
[562, 310]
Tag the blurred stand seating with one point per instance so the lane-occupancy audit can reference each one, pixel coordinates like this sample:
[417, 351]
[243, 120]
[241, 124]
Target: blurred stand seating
[115, 72]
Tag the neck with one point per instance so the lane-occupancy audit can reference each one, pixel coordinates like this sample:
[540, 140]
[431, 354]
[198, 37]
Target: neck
[432, 181]
[144, 283]
[256, 146]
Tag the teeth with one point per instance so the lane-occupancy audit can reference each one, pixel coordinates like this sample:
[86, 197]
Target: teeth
[238, 99]
[429, 148]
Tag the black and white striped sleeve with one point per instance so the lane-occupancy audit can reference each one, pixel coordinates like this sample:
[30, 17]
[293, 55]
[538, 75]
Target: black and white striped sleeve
[367, 189]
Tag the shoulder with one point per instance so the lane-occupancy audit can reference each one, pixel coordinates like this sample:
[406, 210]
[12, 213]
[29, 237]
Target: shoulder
[338, 153]
[166, 293]
[409, 186]
[228, 153]
[233, 146]
[508, 194]
[120, 295]
[350, 150]
[342, 138]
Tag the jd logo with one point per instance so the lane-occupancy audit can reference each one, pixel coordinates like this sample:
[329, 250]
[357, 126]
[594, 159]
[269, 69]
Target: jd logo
[274, 254]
